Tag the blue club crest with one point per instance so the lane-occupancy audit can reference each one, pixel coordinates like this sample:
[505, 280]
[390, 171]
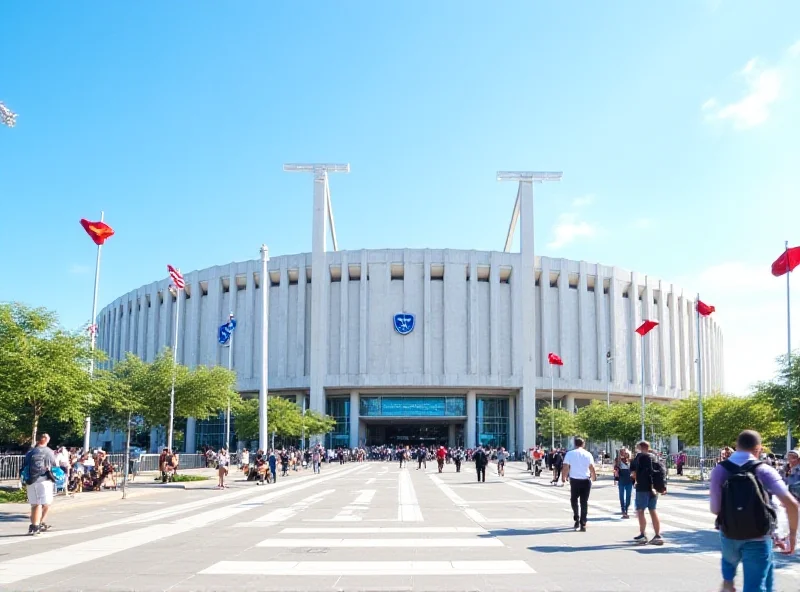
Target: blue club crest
[404, 323]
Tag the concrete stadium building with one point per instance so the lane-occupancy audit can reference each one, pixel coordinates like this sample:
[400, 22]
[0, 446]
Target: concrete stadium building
[409, 345]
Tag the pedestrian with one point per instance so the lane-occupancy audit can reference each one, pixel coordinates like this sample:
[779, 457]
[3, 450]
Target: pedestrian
[739, 491]
[222, 467]
[37, 473]
[792, 472]
[579, 466]
[422, 457]
[481, 460]
[458, 456]
[441, 454]
[315, 459]
[622, 477]
[643, 470]
[556, 464]
[273, 465]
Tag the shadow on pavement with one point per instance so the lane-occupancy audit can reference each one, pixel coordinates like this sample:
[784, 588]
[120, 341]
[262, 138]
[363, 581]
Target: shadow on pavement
[17, 517]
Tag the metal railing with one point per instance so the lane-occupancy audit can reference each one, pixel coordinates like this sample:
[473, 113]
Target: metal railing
[11, 464]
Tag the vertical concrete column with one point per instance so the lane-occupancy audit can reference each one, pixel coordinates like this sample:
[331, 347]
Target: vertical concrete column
[189, 446]
[546, 314]
[354, 419]
[614, 321]
[512, 423]
[472, 413]
[601, 324]
[451, 435]
[362, 315]
[633, 339]
[494, 314]
[426, 316]
[320, 279]
[569, 403]
[584, 322]
[567, 325]
[526, 321]
[472, 334]
[344, 315]
[673, 445]
[649, 341]
[664, 333]
[691, 346]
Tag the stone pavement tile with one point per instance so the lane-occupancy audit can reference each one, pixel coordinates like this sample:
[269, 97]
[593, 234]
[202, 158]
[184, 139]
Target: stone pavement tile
[229, 583]
[375, 584]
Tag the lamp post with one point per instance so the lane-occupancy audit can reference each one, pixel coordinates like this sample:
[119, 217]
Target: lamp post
[263, 433]
[609, 359]
[643, 330]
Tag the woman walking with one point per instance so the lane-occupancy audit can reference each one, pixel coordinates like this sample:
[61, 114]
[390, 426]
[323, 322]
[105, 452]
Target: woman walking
[622, 477]
[222, 467]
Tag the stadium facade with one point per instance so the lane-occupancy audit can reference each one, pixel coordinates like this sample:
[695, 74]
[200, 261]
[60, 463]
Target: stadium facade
[408, 345]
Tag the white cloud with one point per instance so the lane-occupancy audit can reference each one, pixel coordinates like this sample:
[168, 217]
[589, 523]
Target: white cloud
[763, 89]
[568, 229]
[764, 85]
[643, 223]
[77, 269]
[580, 202]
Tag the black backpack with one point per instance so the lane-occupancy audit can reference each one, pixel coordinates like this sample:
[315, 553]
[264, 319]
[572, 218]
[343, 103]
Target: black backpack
[745, 512]
[657, 475]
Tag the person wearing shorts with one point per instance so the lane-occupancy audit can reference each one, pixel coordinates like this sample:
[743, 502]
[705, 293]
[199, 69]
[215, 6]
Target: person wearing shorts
[646, 499]
[39, 486]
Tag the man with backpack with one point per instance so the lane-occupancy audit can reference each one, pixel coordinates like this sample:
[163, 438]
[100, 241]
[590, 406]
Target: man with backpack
[39, 482]
[649, 478]
[740, 490]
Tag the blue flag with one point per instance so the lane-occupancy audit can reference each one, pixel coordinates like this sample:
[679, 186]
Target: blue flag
[226, 330]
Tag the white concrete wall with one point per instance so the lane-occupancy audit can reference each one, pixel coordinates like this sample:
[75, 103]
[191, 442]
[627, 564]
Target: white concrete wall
[463, 337]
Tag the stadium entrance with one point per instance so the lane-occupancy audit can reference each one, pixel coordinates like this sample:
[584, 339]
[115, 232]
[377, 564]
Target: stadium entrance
[414, 434]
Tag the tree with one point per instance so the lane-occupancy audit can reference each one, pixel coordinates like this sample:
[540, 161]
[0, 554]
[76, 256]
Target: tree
[284, 418]
[556, 422]
[317, 424]
[724, 418]
[143, 389]
[43, 371]
[783, 393]
[595, 421]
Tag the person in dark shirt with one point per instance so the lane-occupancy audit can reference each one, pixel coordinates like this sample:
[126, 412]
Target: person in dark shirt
[646, 498]
[39, 486]
[481, 460]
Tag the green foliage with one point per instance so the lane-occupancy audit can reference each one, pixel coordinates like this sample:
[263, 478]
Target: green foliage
[284, 418]
[143, 389]
[724, 417]
[555, 421]
[622, 421]
[182, 478]
[13, 496]
[783, 393]
[43, 372]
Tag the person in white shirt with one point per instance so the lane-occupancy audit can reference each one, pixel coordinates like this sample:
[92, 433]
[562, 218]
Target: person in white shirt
[579, 466]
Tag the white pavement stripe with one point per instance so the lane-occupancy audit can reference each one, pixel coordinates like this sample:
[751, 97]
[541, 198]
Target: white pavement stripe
[408, 506]
[383, 543]
[368, 568]
[350, 513]
[15, 570]
[163, 514]
[387, 530]
[283, 514]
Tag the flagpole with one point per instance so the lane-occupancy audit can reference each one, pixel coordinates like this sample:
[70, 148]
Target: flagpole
[552, 412]
[174, 368]
[263, 432]
[788, 339]
[643, 429]
[87, 428]
[228, 414]
[700, 389]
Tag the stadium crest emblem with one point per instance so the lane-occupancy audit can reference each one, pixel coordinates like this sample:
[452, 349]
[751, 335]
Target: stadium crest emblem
[404, 323]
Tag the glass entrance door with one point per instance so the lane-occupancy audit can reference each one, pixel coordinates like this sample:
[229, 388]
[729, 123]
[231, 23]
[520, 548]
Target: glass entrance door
[402, 434]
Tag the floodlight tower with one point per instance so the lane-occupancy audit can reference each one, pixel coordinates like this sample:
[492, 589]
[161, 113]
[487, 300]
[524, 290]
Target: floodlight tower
[525, 293]
[320, 276]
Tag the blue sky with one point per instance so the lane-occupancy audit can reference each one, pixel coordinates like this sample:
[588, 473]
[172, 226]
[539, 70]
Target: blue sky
[675, 124]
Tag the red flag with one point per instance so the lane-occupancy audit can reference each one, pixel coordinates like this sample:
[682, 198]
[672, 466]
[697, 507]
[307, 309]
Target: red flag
[704, 309]
[99, 232]
[788, 260]
[646, 327]
[554, 359]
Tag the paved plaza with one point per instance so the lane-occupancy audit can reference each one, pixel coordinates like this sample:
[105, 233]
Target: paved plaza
[369, 526]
